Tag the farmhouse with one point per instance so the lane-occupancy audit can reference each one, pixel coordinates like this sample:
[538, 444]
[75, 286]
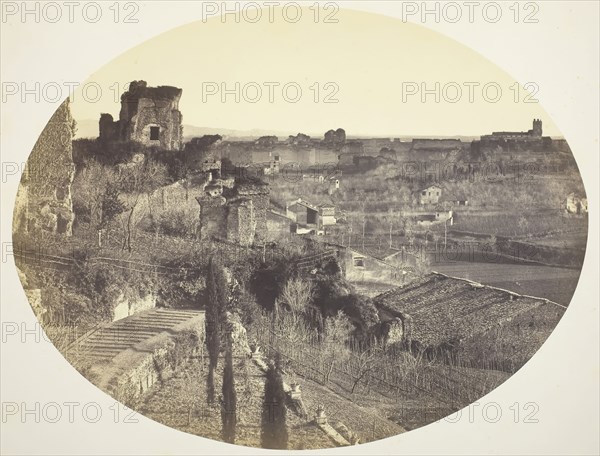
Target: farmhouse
[438, 310]
[302, 212]
[327, 214]
[353, 147]
[432, 218]
[309, 218]
[429, 195]
[362, 267]
[455, 199]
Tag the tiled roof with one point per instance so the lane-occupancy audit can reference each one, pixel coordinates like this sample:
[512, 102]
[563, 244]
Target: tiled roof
[443, 308]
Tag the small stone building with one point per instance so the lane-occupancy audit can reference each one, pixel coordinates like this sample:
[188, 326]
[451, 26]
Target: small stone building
[429, 195]
[303, 212]
[309, 218]
[327, 215]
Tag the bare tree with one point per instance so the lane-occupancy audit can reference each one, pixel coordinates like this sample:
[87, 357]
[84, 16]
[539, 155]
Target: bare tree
[418, 365]
[298, 295]
[365, 364]
[334, 350]
[337, 328]
[136, 181]
[96, 189]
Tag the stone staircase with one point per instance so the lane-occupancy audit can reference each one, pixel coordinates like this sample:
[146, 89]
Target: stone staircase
[105, 342]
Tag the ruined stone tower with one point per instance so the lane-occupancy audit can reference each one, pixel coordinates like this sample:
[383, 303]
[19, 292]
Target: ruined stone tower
[44, 198]
[149, 115]
[235, 211]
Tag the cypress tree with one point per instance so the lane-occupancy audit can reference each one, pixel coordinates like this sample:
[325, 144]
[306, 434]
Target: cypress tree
[274, 433]
[228, 407]
[210, 385]
[216, 293]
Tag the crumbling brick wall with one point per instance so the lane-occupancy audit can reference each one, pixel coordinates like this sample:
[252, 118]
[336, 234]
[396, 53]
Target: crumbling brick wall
[259, 194]
[44, 200]
[241, 222]
[213, 217]
[232, 209]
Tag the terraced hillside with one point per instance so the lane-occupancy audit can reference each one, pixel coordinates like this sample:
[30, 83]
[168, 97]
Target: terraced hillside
[128, 356]
[180, 403]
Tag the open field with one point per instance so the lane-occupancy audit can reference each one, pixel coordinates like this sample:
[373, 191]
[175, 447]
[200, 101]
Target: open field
[556, 284]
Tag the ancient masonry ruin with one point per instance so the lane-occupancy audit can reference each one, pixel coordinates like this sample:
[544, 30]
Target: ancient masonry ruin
[44, 198]
[149, 115]
[234, 210]
[335, 137]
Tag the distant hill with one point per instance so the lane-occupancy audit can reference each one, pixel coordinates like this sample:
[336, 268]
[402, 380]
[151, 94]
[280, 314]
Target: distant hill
[88, 128]
[190, 131]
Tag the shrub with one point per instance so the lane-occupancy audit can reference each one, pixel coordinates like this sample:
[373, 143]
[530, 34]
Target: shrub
[175, 221]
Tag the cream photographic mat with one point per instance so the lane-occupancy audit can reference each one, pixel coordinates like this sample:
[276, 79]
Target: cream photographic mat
[304, 226]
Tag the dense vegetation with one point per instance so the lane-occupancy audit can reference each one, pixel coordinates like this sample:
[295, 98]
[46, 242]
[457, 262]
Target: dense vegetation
[127, 243]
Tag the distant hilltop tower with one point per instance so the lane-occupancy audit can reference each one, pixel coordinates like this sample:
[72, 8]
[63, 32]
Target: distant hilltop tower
[519, 141]
[537, 128]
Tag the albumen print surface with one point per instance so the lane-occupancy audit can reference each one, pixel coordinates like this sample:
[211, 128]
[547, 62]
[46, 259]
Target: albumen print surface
[303, 234]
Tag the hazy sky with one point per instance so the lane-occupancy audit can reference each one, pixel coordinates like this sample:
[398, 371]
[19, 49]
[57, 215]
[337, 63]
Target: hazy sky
[373, 64]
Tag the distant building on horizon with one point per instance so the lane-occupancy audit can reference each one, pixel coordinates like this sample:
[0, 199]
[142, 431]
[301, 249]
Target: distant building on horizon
[534, 134]
[519, 141]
